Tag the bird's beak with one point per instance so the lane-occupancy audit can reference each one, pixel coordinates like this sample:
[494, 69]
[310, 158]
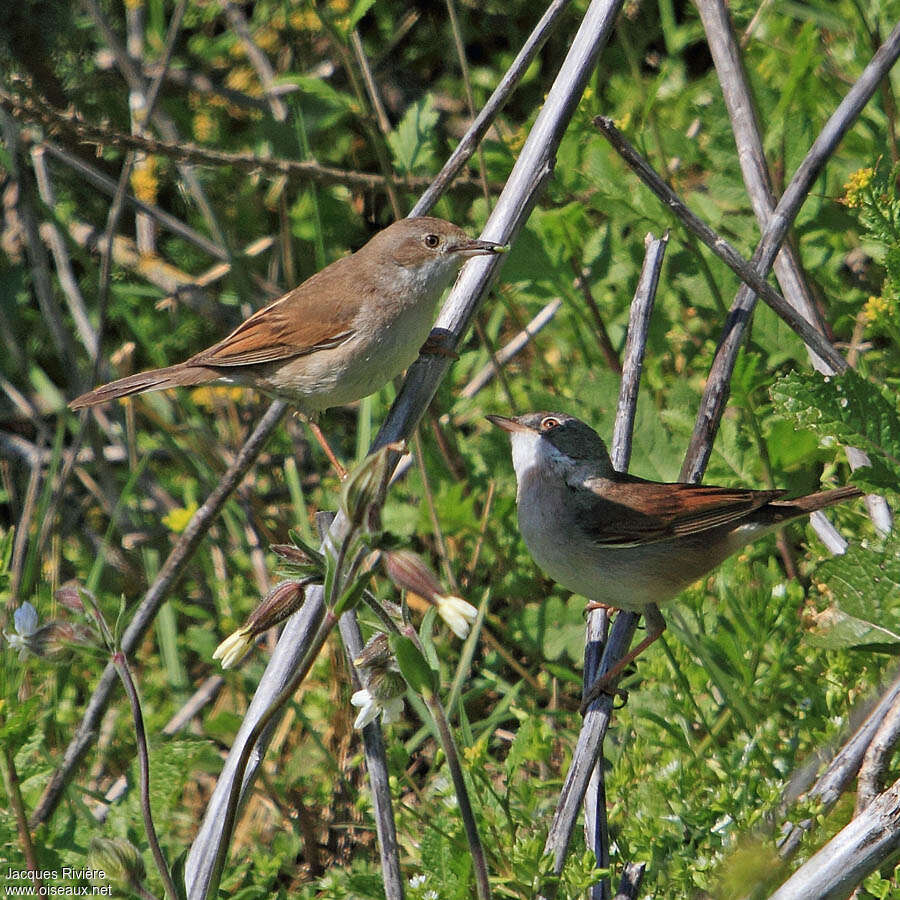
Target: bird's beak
[508, 423]
[470, 247]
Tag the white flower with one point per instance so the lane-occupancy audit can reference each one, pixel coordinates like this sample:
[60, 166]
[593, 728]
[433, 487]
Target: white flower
[370, 707]
[25, 621]
[234, 648]
[430, 895]
[457, 613]
[417, 881]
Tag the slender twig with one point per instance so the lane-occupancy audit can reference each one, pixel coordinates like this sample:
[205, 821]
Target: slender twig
[722, 248]
[14, 797]
[23, 529]
[477, 130]
[857, 850]
[877, 757]
[377, 133]
[258, 60]
[52, 235]
[606, 346]
[121, 665]
[168, 575]
[28, 110]
[485, 375]
[204, 695]
[436, 529]
[373, 743]
[451, 754]
[145, 235]
[635, 344]
[379, 774]
[381, 117]
[467, 86]
[844, 767]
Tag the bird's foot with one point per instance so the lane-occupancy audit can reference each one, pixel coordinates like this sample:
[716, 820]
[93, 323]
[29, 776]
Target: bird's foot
[594, 605]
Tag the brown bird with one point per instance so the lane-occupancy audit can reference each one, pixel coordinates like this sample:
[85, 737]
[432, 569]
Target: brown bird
[622, 541]
[337, 337]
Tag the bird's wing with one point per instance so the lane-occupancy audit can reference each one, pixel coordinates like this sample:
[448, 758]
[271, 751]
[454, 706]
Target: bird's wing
[304, 320]
[632, 512]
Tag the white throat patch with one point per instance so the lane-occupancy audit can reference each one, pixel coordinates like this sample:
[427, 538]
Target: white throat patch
[531, 451]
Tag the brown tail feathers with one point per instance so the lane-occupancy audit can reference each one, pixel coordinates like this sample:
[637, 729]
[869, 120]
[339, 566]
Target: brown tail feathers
[154, 380]
[782, 510]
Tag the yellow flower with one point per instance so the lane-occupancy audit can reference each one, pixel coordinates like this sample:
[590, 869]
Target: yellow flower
[877, 309]
[205, 128]
[144, 181]
[240, 78]
[856, 186]
[211, 396]
[177, 520]
[267, 39]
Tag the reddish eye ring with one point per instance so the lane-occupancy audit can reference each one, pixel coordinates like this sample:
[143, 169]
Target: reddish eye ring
[432, 240]
[549, 422]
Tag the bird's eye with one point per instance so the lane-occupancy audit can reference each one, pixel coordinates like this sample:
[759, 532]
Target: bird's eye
[432, 240]
[549, 422]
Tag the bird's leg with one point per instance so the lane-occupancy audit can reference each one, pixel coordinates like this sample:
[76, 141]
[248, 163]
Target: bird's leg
[326, 447]
[440, 343]
[656, 625]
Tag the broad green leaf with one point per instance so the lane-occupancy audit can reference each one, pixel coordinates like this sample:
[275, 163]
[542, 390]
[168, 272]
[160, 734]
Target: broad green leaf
[412, 141]
[864, 585]
[848, 409]
[413, 665]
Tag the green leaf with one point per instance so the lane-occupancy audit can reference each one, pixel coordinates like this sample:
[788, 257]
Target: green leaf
[412, 142]
[413, 665]
[20, 722]
[848, 409]
[864, 585]
[555, 627]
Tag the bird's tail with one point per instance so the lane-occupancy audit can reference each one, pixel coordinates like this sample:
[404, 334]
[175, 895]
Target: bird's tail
[783, 510]
[154, 380]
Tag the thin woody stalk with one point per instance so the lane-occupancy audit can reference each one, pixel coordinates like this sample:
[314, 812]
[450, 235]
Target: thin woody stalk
[119, 661]
[329, 620]
[448, 744]
[14, 793]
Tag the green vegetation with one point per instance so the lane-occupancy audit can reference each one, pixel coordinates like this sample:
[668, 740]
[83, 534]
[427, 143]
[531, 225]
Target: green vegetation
[758, 673]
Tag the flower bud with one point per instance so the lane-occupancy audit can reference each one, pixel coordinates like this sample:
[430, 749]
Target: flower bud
[410, 572]
[69, 596]
[362, 492]
[296, 556]
[376, 653]
[282, 601]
